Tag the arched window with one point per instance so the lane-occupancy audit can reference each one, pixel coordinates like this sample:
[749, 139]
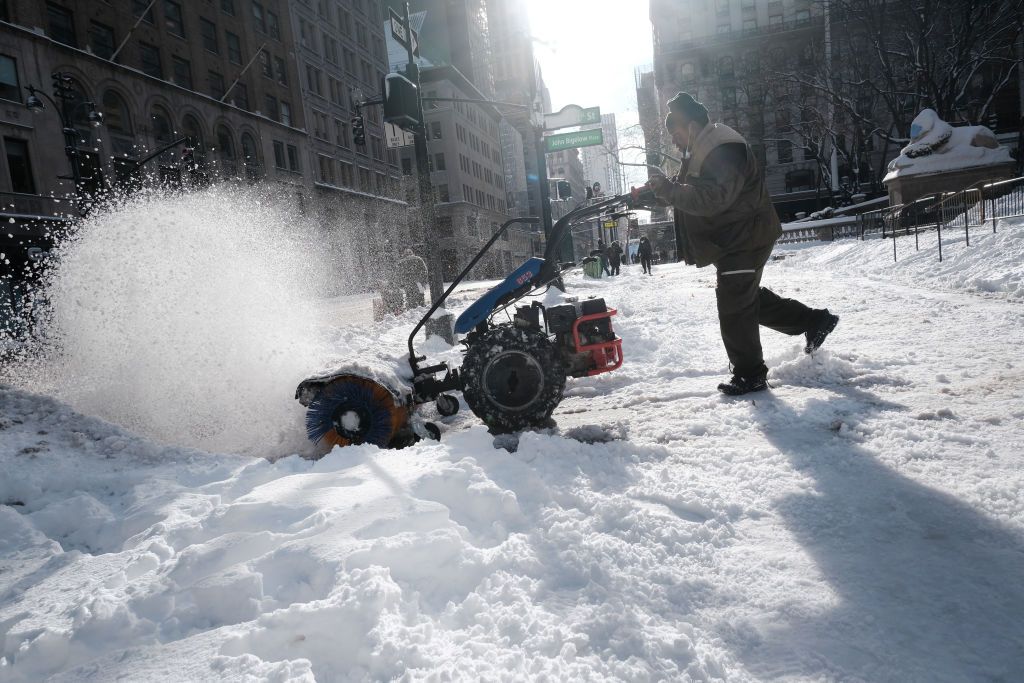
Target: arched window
[115, 114]
[726, 67]
[251, 157]
[163, 131]
[226, 150]
[191, 128]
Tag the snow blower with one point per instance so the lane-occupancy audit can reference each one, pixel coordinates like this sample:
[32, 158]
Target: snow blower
[513, 372]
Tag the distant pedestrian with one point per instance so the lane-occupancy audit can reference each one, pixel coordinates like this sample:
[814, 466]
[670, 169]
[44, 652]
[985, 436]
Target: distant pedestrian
[614, 258]
[646, 254]
[412, 278]
[603, 249]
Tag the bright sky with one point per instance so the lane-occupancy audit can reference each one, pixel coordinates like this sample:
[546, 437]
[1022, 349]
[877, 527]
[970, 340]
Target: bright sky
[588, 50]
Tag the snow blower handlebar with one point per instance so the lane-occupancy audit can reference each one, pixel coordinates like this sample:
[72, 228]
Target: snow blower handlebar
[413, 358]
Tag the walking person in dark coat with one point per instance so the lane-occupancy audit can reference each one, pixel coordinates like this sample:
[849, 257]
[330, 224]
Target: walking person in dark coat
[604, 256]
[646, 254]
[724, 217]
[614, 258]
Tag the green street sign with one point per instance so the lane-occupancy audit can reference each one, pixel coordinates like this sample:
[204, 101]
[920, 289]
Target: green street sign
[572, 115]
[583, 138]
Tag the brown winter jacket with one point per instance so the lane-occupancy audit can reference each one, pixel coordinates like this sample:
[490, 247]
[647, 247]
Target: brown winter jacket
[723, 213]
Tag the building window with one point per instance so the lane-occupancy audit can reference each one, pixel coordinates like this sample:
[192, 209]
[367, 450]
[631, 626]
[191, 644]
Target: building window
[101, 39]
[728, 98]
[258, 17]
[726, 68]
[279, 159]
[234, 47]
[115, 114]
[140, 6]
[750, 24]
[341, 133]
[240, 95]
[163, 131]
[173, 18]
[216, 83]
[266, 64]
[435, 130]
[346, 174]
[10, 89]
[286, 113]
[722, 6]
[273, 27]
[803, 16]
[251, 157]
[364, 179]
[19, 166]
[442, 193]
[293, 159]
[439, 162]
[208, 30]
[150, 57]
[724, 28]
[227, 7]
[406, 166]
[272, 110]
[313, 80]
[281, 71]
[62, 24]
[775, 21]
[182, 72]
[785, 151]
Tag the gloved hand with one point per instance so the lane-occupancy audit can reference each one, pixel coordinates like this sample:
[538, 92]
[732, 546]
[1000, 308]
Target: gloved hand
[661, 185]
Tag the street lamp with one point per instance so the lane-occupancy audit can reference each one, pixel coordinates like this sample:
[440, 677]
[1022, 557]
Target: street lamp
[70, 103]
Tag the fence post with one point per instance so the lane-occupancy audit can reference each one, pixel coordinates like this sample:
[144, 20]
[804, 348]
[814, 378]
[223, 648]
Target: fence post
[967, 218]
[917, 243]
[938, 228]
[992, 209]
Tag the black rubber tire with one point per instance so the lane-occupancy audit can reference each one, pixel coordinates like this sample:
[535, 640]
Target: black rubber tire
[447, 405]
[512, 379]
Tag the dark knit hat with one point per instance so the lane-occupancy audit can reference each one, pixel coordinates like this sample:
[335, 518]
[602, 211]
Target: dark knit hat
[691, 109]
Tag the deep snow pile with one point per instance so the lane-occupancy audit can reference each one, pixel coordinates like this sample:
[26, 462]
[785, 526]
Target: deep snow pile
[863, 521]
[993, 263]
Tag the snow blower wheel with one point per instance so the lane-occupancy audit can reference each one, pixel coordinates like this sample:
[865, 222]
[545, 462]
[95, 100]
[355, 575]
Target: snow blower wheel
[351, 410]
[513, 379]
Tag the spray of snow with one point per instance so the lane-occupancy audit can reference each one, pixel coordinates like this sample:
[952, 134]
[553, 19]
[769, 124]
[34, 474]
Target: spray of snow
[189, 319]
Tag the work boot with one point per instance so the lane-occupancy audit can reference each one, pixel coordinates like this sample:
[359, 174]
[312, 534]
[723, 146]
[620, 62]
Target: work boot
[744, 384]
[822, 326]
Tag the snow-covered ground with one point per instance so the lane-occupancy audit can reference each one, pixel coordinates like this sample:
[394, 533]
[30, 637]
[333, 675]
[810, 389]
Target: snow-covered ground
[864, 521]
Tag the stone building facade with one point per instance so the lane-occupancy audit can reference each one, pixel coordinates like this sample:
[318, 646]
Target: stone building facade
[468, 175]
[223, 73]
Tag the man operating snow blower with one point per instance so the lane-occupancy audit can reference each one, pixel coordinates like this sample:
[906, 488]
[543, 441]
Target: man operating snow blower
[724, 217]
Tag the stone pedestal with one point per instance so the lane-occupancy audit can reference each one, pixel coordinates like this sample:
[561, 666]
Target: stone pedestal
[906, 188]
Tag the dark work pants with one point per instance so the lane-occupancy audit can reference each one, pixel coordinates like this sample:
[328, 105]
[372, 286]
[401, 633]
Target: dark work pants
[743, 305]
[645, 261]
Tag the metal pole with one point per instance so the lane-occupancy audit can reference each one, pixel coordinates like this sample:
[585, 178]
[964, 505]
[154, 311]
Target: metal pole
[242, 73]
[967, 219]
[938, 228]
[128, 35]
[426, 191]
[545, 191]
[917, 243]
[71, 146]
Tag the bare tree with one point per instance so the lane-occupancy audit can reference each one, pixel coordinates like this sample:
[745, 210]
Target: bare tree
[892, 59]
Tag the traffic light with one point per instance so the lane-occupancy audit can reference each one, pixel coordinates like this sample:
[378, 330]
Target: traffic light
[401, 105]
[358, 131]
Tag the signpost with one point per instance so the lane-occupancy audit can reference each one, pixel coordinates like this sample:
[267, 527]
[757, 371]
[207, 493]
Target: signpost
[396, 137]
[399, 32]
[572, 115]
[583, 138]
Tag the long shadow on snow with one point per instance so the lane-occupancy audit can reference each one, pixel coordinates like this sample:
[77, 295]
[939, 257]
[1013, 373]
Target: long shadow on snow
[929, 588]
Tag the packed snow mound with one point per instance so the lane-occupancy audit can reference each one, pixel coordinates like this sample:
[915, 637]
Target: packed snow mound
[993, 264]
[936, 146]
[864, 520]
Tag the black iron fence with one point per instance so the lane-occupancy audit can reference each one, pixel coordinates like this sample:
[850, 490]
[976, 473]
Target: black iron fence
[974, 207]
